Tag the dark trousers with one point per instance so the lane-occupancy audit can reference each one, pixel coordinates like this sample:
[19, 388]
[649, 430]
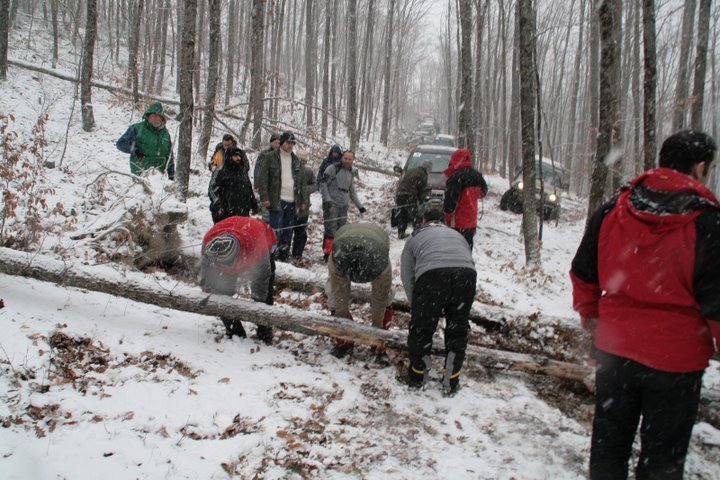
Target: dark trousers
[468, 234]
[667, 403]
[221, 283]
[406, 212]
[299, 237]
[447, 292]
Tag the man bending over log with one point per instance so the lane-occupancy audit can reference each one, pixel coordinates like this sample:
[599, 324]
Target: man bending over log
[360, 253]
[240, 247]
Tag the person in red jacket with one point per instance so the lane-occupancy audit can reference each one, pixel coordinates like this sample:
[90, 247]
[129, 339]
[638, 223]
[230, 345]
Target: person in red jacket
[646, 283]
[464, 186]
[240, 247]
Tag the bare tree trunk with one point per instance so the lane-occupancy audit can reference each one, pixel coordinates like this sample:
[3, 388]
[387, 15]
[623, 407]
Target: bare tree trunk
[608, 16]
[515, 127]
[231, 47]
[326, 69]
[696, 112]
[684, 57]
[160, 80]
[86, 71]
[133, 48]
[187, 99]
[352, 74]
[572, 158]
[528, 99]
[649, 84]
[385, 125]
[54, 17]
[214, 12]
[4, 37]
[333, 63]
[465, 114]
[366, 53]
[310, 59]
[257, 74]
[478, 131]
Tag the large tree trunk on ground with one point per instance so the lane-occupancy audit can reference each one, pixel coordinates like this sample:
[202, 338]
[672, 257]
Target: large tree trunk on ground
[139, 288]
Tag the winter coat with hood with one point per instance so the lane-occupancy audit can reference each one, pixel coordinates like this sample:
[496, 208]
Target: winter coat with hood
[338, 186]
[218, 157]
[269, 178]
[230, 190]
[329, 160]
[648, 268]
[464, 187]
[148, 146]
[254, 238]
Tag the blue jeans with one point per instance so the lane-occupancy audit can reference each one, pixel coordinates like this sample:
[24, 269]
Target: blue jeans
[282, 221]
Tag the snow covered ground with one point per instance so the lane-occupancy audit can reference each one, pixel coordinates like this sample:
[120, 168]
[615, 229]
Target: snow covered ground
[96, 386]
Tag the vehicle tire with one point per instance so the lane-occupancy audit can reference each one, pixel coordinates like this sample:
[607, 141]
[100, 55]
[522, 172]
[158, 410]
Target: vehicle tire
[515, 202]
[505, 200]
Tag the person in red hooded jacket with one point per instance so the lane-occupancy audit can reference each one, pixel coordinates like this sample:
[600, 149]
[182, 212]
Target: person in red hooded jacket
[464, 186]
[646, 283]
[240, 247]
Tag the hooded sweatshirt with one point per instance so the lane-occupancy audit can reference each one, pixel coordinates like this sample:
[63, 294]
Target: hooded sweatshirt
[648, 268]
[329, 160]
[148, 146]
[464, 187]
[230, 189]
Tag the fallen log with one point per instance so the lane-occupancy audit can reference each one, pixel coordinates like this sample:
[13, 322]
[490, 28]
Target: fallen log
[145, 289]
[492, 317]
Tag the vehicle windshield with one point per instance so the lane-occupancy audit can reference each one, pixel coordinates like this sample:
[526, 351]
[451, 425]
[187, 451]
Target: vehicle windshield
[446, 141]
[439, 161]
[554, 177]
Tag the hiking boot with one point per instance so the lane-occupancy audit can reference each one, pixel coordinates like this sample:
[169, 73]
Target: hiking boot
[452, 389]
[234, 328]
[413, 380]
[341, 351]
[264, 334]
[380, 358]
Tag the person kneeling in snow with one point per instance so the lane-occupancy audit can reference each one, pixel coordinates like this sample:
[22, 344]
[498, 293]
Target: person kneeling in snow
[360, 253]
[240, 247]
[438, 274]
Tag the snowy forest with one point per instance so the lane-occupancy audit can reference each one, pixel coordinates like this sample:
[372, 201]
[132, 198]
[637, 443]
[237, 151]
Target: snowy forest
[114, 361]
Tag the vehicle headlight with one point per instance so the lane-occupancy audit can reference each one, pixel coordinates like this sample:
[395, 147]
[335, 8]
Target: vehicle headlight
[552, 198]
[520, 186]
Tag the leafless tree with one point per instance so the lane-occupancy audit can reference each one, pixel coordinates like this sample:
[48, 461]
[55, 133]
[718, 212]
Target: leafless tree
[214, 11]
[4, 37]
[684, 58]
[385, 125]
[696, 112]
[86, 71]
[649, 83]
[526, 34]
[187, 99]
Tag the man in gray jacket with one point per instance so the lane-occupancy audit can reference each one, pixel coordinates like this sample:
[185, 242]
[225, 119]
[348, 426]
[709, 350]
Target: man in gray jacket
[438, 274]
[337, 188]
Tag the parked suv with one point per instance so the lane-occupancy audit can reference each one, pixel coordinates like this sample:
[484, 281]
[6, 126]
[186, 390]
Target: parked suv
[439, 156]
[555, 180]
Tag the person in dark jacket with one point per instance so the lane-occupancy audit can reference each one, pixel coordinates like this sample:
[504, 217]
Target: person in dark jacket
[281, 182]
[464, 187]
[646, 283]
[438, 274]
[333, 158]
[230, 191]
[148, 143]
[240, 248]
[338, 189]
[303, 216]
[218, 156]
[361, 254]
[411, 191]
[274, 145]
